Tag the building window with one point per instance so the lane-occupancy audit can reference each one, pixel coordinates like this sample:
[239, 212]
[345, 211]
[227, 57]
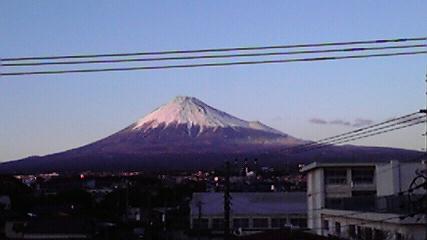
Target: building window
[363, 176]
[379, 234]
[338, 228]
[335, 203]
[336, 176]
[241, 223]
[325, 224]
[300, 222]
[364, 193]
[368, 233]
[260, 222]
[278, 222]
[218, 223]
[359, 232]
[352, 231]
[201, 223]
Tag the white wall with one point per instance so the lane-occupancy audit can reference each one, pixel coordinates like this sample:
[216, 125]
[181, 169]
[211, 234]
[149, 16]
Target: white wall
[396, 177]
[315, 199]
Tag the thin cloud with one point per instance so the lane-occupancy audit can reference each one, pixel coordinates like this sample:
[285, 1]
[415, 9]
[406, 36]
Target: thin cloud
[277, 119]
[340, 122]
[359, 122]
[318, 121]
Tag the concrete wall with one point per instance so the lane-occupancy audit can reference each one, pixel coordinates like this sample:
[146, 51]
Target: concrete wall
[315, 198]
[391, 228]
[395, 177]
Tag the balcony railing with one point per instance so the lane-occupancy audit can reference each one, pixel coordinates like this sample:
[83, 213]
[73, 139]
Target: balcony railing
[399, 204]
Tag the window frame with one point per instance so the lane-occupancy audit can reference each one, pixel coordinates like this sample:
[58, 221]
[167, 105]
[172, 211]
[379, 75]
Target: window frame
[260, 223]
[363, 175]
[336, 176]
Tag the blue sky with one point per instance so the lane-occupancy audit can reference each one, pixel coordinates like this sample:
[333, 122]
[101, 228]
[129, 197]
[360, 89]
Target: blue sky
[46, 114]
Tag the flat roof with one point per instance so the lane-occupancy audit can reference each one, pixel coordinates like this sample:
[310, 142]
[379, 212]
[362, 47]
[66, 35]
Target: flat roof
[315, 165]
[251, 203]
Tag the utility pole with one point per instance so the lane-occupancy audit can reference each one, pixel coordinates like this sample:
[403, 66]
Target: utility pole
[227, 201]
[425, 187]
[425, 161]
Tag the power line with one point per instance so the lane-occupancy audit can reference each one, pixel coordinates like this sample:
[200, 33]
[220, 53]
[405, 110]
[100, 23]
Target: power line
[109, 61]
[378, 41]
[370, 133]
[330, 139]
[369, 127]
[376, 129]
[218, 64]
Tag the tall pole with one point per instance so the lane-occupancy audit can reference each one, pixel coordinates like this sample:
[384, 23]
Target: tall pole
[227, 201]
[424, 111]
[425, 187]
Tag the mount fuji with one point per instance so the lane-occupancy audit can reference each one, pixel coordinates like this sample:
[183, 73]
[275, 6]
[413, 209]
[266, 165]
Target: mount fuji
[186, 125]
[185, 134]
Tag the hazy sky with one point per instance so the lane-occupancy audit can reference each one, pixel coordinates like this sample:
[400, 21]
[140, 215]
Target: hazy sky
[46, 114]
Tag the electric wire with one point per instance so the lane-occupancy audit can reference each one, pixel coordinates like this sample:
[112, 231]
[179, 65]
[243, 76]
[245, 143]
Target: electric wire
[372, 130]
[358, 49]
[215, 64]
[370, 133]
[365, 128]
[378, 41]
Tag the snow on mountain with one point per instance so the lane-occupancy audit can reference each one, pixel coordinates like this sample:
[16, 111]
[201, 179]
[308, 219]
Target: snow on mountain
[193, 112]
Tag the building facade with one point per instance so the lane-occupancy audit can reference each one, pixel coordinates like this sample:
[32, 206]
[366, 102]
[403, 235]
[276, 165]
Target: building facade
[364, 200]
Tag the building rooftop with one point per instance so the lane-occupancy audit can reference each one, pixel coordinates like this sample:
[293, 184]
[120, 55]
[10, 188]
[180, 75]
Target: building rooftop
[315, 165]
[254, 203]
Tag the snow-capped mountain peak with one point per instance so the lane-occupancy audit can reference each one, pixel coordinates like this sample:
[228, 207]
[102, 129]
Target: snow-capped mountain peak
[193, 112]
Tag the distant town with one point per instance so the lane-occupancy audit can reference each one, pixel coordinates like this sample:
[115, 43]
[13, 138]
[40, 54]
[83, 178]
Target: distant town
[128, 205]
[318, 201]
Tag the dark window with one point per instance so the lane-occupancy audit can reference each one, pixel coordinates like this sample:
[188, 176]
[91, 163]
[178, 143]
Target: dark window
[201, 224]
[337, 176]
[364, 176]
[352, 231]
[338, 228]
[300, 222]
[241, 223]
[325, 225]
[379, 234]
[278, 222]
[335, 203]
[260, 222]
[359, 232]
[218, 223]
[363, 193]
[368, 233]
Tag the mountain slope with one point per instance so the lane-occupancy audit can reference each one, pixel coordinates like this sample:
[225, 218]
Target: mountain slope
[187, 125]
[188, 134]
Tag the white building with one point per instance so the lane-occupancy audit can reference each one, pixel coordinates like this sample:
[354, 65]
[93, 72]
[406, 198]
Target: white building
[249, 210]
[364, 200]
